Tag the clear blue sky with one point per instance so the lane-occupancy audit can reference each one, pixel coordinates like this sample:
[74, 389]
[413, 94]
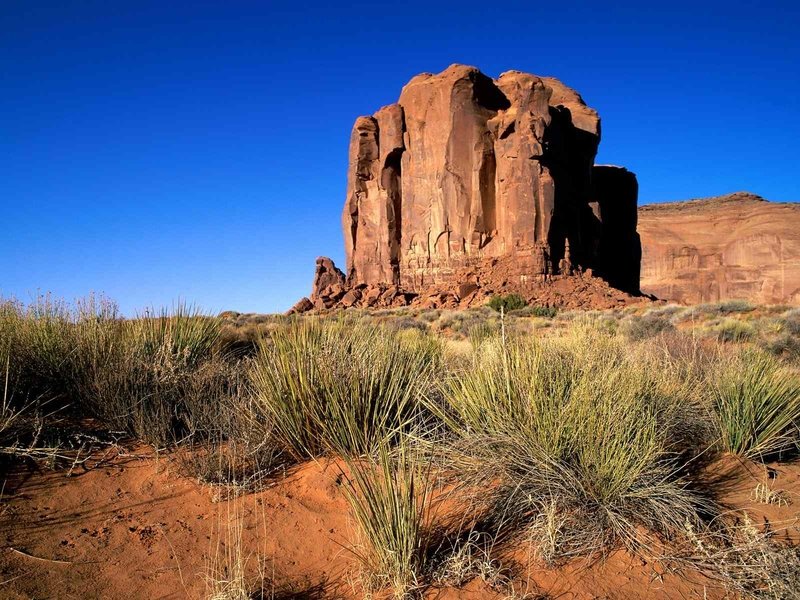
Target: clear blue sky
[163, 150]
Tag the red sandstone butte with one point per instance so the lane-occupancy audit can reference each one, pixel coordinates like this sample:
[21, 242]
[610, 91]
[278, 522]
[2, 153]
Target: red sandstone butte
[470, 186]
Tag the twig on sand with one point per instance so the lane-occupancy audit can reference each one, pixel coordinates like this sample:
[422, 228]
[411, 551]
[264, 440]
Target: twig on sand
[51, 560]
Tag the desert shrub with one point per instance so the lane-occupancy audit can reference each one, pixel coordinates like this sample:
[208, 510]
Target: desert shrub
[784, 346]
[341, 386]
[391, 503]
[726, 307]
[734, 330]
[507, 303]
[669, 311]
[735, 306]
[403, 323]
[757, 402]
[577, 438]
[790, 323]
[545, 312]
[431, 315]
[647, 326]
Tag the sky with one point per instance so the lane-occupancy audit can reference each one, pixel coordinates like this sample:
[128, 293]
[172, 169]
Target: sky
[158, 152]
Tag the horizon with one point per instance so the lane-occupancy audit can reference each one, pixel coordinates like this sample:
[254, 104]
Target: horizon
[157, 153]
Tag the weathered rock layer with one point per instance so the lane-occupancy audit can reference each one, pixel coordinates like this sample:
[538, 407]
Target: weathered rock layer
[738, 246]
[465, 174]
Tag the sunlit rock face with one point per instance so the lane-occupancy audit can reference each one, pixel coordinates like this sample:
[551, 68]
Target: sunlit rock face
[464, 168]
[738, 246]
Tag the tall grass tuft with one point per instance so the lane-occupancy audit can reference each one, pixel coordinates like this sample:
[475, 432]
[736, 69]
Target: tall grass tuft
[183, 334]
[139, 375]
[391, 504]
[578, 437]
[757, 402]
[341, 386]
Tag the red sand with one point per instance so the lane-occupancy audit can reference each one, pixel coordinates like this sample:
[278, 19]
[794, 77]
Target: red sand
[134, 528]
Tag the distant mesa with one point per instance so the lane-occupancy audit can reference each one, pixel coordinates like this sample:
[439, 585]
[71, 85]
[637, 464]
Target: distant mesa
[737, 246]
[470, 186]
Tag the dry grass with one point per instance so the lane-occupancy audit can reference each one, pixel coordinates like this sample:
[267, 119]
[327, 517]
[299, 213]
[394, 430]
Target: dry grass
[392, 505]
[581, 443]
[578, 438]
[757, 402]
[342, 387]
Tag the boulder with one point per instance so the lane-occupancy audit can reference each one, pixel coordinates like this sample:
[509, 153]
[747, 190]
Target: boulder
[328, 278]
[302, 305]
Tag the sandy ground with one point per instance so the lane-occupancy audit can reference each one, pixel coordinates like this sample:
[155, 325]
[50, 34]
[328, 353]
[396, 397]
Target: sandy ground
[133, 527]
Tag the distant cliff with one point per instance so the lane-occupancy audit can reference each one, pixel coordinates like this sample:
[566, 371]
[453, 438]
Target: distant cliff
[738, 246]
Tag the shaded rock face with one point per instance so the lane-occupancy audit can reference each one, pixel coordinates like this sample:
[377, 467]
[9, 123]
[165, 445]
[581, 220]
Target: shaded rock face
[738, 246]
[464, 170]
[618, 253]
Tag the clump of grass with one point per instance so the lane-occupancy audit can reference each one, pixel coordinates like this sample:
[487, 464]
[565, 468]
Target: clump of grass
[480, 333]
[576, 428]
[763, 493]
[155, 377]
[391, 504]
[507, 302]
[757, 402]
[341, 386]
[139, 375]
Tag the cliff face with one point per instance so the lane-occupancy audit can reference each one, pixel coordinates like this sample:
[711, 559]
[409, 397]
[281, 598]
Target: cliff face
[490, 183]
[737, 246]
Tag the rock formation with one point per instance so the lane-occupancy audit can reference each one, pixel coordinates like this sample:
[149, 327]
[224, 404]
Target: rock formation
[471, 186]
[737, 246]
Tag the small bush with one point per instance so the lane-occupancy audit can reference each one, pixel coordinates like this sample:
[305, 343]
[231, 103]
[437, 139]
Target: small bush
[507, 303]
[757, 403]
[785, 346]
[791, 322]
[725, 308]
[735, 306]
